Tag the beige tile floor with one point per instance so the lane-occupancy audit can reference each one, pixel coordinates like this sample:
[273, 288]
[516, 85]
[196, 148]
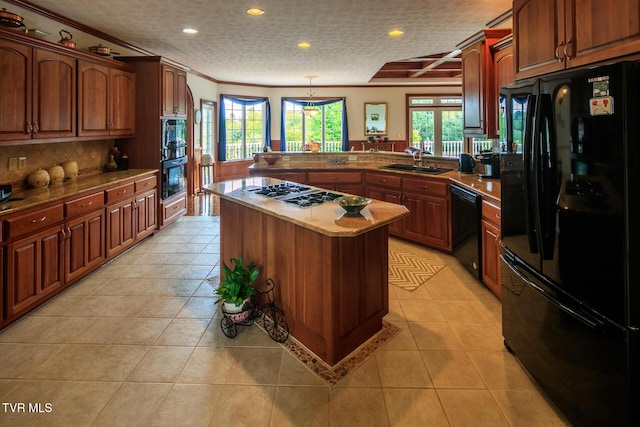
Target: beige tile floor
[138, 343]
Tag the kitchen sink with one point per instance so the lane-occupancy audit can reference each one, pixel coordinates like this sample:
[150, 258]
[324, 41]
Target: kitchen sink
[418, 169]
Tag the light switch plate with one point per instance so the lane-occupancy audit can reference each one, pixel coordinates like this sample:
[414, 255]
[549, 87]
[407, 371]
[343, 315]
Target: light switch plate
[22, 163]
[13, 164]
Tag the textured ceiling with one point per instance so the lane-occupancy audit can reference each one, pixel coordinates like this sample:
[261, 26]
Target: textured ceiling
[349, 38]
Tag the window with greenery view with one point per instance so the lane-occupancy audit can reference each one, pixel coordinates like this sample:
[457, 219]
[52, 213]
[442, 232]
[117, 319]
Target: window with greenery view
[436, 125]
[207, 126]
[244, 127]
[324, 127]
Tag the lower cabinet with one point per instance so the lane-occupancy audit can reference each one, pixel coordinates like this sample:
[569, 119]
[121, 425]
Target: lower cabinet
[491, 235]
[130, 215]
[120, 227]
[427, 201]
[146, 219]
[344, 182]
[84, 245]
[48, 248]
[34, 267]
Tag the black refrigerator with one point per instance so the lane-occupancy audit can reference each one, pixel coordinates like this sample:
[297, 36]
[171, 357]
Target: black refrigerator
[570, 292]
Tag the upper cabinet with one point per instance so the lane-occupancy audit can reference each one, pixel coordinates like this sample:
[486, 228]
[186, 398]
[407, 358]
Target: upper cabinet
[174, 100]
[37, 93]
[106, 98]
[479, 91]
[551, 35]
[50, 93]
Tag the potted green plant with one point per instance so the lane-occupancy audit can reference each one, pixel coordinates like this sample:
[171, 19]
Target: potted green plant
[235, 290]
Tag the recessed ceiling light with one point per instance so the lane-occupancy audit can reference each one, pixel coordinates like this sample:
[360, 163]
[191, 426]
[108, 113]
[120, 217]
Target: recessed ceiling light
[396, 33]
[304, 45]
[189, 31]
[254, 11]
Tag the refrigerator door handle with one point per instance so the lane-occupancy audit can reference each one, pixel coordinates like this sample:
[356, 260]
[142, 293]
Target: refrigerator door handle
[547, 169]
[528, 152]
[595, 324]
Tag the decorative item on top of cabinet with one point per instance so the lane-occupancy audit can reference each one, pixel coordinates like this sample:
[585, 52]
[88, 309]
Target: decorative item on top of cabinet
[479, 92]
[30, 76]
[552, 35]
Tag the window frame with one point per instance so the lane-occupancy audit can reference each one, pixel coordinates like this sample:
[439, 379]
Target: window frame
[246, 103]
[208, 109]
[298, 105]
[438, 105]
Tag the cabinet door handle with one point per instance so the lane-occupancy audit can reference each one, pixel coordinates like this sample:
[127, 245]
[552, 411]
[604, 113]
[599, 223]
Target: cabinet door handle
[383, 180]
[120, 193]
[557, 52]
[36, 128]
[35, 221]
[567, 55]
[498, 217]
[28, 128]
[84, 205]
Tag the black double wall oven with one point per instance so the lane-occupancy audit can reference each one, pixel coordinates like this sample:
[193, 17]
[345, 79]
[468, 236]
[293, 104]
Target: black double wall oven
[173, 156]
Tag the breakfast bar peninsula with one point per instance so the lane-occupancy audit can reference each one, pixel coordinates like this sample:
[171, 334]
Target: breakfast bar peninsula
[330, 268]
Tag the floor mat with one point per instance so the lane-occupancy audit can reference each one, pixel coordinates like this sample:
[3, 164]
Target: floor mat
[409, 271]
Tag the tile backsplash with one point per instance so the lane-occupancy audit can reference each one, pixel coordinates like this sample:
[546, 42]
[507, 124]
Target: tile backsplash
[91, 156]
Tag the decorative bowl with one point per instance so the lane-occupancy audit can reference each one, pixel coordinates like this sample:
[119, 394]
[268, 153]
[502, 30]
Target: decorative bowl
[353, 204]
[271, 160]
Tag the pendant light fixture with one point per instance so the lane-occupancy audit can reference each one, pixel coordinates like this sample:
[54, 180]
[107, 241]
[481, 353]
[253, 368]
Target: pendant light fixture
[310, 109]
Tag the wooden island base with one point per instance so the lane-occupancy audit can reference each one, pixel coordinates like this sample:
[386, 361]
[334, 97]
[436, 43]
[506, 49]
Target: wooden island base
[333, 289]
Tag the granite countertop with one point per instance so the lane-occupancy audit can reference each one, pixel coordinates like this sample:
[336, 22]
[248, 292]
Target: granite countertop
[26, 198]
[328, 218]
[358, 160]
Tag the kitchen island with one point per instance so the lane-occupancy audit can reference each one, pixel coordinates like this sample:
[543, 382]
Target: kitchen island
[330, 269]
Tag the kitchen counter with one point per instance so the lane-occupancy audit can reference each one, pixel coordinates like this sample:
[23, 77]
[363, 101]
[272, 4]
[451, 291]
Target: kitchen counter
[328, 218]
[28, 198]
[368, 161]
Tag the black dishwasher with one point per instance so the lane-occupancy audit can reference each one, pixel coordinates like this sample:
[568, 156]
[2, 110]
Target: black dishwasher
[465, 228]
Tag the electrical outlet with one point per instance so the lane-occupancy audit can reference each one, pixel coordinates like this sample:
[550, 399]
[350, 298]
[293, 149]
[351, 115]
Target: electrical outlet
[22, 163]
[13, 164]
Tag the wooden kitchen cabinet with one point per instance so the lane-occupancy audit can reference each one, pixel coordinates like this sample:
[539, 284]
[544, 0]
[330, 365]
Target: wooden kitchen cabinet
[34, 265]
[491, 236]
[106, 98]
[344, 182]
[552, 35]
[387, 187]
[174, 99]
[479, 91]
[37, 93]
[428, 202]
[84, 247]
[130, 214]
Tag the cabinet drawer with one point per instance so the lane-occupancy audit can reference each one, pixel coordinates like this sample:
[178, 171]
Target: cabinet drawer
[174, 208]
[146, 184]
[384, 180]
[491, 213]
[119, 192]
[83, 204]
[330, 177]
[24, 224]
[431, 187]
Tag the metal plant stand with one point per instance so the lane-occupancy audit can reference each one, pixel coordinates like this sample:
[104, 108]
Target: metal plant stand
[270, 316]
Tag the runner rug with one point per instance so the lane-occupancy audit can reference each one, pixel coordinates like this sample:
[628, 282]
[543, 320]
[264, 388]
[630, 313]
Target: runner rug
[410, 271]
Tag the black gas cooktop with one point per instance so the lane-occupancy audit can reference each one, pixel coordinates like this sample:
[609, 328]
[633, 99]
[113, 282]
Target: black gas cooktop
[296, 194]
